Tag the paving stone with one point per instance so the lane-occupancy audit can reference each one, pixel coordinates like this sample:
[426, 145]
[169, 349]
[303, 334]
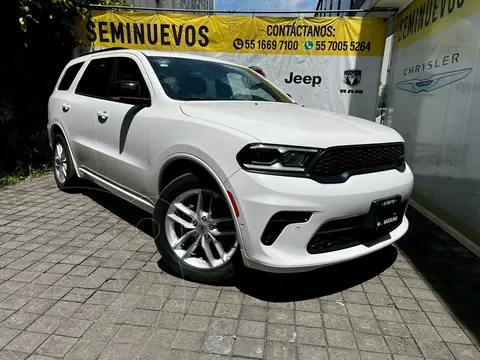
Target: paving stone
[6, 335]
[280, 350]
[414, 317]
[204, 308]
[248, 347]
[397, 329]
[387, 314]
[218, 344]
[73, 327]
[365, 325]
[340, 338]
[338, 322]
[46, 324]
[312, 336]
[333, 307]
[85, 350]
[360, 310]
[250, 328]
[255, 313]
[438, 319]
[310, 352]
[5, 314]
[281, 332]
[89, 312]
[231, 297]
[169, 320]
[195, 323]
[223, 326]
[343, 354]
[435, 349]
[14, 302]
[370, 342]
[227, 310]
[26, 342]
[142, 317]
[63, 308]
[303, 318]
[20, 320]
[117, 351]
[464, 352]
[355, 297]
[423, 332]
[130, 334]
[365, 355]
[188, 340]
[101, 332]
[402, 346]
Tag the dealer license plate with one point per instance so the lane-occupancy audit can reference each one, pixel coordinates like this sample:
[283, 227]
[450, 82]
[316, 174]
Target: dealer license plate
[386, 211]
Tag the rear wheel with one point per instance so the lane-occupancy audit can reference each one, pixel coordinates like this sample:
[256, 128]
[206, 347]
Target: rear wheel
[194, 230]
[63, 168]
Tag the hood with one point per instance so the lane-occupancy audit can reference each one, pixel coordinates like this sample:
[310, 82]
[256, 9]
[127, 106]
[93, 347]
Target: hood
[290, 124]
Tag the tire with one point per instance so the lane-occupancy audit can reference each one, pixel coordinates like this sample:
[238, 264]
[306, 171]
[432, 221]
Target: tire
[179, 187]
[67, 177]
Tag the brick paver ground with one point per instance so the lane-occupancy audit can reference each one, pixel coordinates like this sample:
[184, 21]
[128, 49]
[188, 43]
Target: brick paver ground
[79, 280]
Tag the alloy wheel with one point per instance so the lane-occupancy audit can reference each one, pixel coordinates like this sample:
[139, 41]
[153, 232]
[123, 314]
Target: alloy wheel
[200, 229]
[60, 163]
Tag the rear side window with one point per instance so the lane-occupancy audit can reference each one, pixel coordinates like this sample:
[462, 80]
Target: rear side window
[69, 76]
[96, 78]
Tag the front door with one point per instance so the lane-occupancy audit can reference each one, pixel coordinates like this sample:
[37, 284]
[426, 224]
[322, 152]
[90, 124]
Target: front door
[120, 127]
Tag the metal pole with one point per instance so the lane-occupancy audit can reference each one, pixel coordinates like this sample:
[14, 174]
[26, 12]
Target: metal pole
[119, 7]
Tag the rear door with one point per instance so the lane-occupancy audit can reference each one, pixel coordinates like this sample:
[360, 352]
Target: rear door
[63, 106]
[81, 109]
[121, 126]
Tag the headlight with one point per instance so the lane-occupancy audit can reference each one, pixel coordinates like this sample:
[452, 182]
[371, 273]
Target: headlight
[276, 158]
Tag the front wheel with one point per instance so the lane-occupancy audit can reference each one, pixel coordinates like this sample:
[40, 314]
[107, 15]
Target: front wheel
[194, 230]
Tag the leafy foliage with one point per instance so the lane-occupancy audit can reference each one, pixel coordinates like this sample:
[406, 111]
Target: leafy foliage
[38, 41]
[382, 97]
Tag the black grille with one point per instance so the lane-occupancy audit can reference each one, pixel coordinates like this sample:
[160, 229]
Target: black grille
[337, 164]
[341, 234]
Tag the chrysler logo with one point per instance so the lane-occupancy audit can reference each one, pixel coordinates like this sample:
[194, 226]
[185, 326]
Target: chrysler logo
[433, 82]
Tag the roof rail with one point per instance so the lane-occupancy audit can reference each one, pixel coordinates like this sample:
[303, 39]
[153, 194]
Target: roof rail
[105, 50]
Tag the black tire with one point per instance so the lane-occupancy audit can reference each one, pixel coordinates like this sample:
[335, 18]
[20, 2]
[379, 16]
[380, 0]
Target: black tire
[71, 177]
[180, 268]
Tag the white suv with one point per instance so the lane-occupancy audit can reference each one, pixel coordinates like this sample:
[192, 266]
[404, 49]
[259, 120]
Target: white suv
[228, 165]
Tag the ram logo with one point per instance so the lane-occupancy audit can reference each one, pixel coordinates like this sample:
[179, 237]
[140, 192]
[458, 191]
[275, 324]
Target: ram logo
[352, 77]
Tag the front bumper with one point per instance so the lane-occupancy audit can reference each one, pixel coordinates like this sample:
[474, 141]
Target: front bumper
[259, 197]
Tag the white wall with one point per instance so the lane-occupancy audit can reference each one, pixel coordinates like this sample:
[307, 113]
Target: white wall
[441, 124]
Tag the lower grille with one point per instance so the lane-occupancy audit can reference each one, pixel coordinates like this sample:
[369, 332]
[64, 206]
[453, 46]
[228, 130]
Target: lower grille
[345, 233]
[337, 164]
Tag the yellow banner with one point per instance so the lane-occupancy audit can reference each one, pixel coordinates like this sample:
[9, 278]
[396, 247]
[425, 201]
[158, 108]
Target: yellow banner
[425, 17]
[236, 34]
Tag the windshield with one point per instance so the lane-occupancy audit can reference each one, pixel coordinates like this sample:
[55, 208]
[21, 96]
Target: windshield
[191, 79]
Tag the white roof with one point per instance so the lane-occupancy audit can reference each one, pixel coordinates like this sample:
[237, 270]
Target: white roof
[178, 54]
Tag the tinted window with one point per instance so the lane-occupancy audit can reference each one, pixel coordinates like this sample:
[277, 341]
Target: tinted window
[69, 76]
[128, 81]
[96, 78]
[190, 79]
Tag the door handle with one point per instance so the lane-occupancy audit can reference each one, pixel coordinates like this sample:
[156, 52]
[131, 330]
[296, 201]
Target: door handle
[65, 107]
[102, 115]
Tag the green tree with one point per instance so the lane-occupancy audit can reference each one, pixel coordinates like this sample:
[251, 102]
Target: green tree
[38, 40]
[382, 97]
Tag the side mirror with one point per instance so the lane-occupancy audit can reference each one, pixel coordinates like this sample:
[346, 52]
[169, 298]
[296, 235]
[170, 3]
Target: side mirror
[125, 88]
[128, 91]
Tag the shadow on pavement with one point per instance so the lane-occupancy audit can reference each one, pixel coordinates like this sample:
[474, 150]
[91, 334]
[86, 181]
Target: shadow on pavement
[451, 271]
[317, 283]
[265, 286]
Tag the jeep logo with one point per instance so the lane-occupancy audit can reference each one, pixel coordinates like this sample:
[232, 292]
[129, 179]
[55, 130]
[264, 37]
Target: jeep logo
[307, 79]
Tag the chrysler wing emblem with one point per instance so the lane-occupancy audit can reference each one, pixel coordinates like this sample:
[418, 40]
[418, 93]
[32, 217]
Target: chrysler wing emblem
[433, 82]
